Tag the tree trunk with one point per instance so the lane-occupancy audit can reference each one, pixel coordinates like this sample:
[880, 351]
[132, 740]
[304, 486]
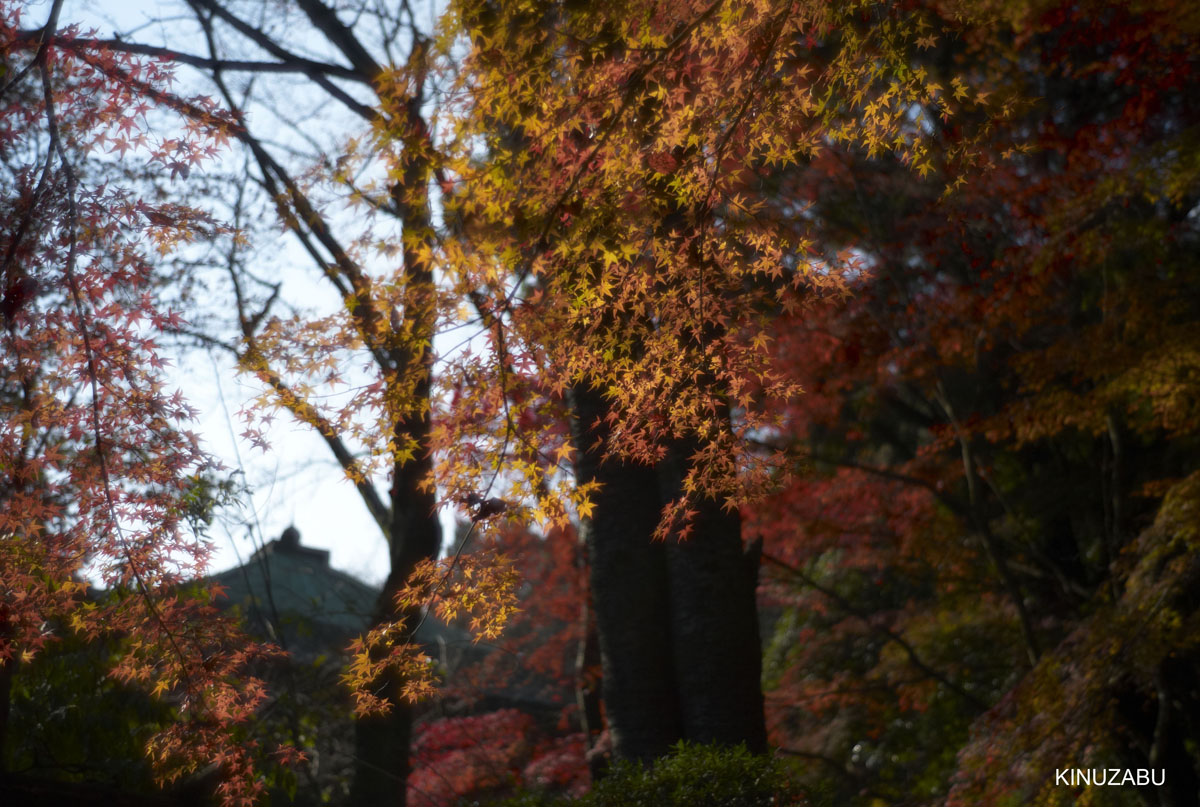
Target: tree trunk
[629, 592]
[381, 761]
[714, 623]
[382, 743]
[677, 622]
[587, 664]
[7, 669]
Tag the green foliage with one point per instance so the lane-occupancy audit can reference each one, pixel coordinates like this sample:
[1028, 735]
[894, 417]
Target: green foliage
[205, 493]
[692, 776]
[72, 721]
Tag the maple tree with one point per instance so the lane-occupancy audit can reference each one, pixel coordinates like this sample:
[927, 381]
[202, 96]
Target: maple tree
[390, 318]
[626, 252]
[695, 441]
[383, 320]
[992, 419]
[98, 462]
[384, 317]
[523, 712]
[943, 252]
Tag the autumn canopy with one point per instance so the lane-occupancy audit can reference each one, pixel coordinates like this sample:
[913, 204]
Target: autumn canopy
[816, 384]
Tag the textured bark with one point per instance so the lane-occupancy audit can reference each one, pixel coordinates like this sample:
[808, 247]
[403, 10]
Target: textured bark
[629, 592]
[7, 668]
[677, 622]
[714, 624]
[381, 760]
[382, 743]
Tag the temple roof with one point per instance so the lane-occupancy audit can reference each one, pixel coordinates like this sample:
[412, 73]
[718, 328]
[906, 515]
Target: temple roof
[289, 593]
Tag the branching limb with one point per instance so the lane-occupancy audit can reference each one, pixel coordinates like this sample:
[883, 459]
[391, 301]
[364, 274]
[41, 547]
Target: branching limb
[268, 44]
[1011, 587]
[913, 657]
[289, 63]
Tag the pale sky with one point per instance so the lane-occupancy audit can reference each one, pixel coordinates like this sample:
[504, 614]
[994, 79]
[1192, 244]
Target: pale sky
[297, 482]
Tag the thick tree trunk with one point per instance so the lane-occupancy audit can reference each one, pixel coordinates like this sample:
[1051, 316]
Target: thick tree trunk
[677, 622]
[382, 761]
[7, 669]
[629, 592]
[714, 623]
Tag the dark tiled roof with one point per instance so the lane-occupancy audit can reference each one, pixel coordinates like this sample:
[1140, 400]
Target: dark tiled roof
[288, 592]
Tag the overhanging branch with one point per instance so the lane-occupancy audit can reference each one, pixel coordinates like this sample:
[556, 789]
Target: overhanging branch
[289, 63]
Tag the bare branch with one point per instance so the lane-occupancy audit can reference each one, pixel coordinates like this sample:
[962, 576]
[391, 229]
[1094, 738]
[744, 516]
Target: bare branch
[980, 522]
[268, 44]
[306, 413]
[326, 21]
[913, 657]
[290, 64]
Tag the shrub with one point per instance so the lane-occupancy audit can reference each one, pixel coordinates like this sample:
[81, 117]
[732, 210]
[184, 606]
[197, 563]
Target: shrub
[691, 776]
